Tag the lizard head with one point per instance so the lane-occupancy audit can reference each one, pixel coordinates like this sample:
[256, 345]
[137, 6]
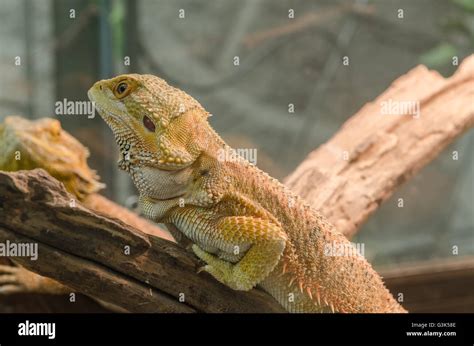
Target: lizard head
[153, 122]
[42, 143]
[160, 130]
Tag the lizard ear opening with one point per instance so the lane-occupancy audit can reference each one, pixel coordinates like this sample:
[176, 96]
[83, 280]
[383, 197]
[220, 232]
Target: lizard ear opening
[150, 126]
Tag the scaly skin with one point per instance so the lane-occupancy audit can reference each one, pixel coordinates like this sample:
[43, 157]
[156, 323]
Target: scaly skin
[24, 145]
[247, 227]
[43, 144]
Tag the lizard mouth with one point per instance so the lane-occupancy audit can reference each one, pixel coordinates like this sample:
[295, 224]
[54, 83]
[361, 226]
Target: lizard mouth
[111, 118]
[117, 124]
[168, 199]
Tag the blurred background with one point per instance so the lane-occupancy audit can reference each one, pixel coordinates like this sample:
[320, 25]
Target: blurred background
[66, 45]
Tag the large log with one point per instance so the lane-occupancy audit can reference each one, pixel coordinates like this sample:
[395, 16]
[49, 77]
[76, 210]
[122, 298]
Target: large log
[434, 286]
[106, 258]
[102, 282]
[348, 177]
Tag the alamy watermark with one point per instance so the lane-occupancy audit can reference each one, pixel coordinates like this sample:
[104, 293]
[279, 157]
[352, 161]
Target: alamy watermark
[235, 155]
[346, 249]
[399, 107]
[66, 107]
[28, 328]
[11, 249]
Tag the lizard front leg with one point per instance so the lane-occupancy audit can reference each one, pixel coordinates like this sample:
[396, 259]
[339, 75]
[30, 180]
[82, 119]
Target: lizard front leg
[21, 280]
[253, 242]
[261, 241]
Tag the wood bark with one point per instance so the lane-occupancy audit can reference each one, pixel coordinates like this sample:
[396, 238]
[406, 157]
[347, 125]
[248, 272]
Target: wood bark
[106, 258]
[102, 205]
[434, 286]
[347, 178]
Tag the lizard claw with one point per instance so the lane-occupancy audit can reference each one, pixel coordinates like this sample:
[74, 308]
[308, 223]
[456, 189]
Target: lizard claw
[203, 269]
[10, 280]
[4, 269]
[203, 256]
[10, 289]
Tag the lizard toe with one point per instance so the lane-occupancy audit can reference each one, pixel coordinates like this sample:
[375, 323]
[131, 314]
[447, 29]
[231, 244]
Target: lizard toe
[9, 282]
[8, 279]
[9, 289]
[203, 269]
[4, 269]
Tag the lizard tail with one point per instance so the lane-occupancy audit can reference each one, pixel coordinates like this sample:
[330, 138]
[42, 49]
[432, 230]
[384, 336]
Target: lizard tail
[331, 282]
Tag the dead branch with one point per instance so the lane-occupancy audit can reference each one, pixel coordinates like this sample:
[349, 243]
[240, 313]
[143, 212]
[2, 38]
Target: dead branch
[106, 258]
[348, 177]
[304, 22]
[102, 205]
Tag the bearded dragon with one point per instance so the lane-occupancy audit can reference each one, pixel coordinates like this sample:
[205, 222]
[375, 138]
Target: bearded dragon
[42, 143]
[248, 228]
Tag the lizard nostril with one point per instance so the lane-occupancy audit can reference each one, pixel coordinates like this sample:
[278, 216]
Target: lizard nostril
[100, 87]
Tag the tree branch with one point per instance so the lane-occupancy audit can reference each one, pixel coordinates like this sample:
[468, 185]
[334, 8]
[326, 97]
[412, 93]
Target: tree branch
[88, 251]
[348, 177]
[106, 258]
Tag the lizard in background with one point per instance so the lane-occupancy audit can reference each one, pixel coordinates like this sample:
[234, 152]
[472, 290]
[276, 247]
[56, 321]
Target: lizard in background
[247, 227]
[42, 143]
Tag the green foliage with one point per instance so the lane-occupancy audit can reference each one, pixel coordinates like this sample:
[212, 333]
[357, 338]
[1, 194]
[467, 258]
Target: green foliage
[457, 33]
[116, 20]
[465, 4]
[439, 55]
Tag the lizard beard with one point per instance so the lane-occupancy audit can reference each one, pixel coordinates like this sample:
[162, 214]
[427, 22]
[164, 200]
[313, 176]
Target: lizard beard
[160, 184]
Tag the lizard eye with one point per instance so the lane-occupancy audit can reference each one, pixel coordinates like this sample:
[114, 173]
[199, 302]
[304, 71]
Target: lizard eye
[150, 126]
[122, 89]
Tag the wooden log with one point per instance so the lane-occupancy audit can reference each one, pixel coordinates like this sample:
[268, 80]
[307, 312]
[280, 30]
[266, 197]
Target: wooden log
[102, 205]
[434, 286]
[39, 208]
[94, 279]
[376, 150]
